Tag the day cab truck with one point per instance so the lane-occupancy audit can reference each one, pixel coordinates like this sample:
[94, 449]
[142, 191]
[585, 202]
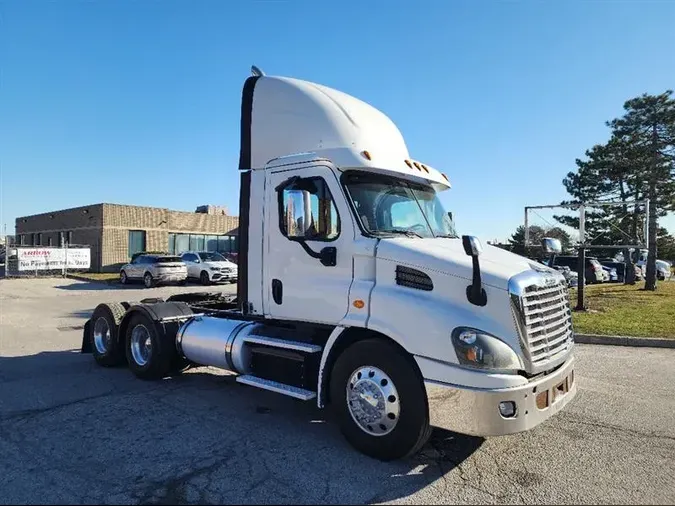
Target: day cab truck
[355, 291]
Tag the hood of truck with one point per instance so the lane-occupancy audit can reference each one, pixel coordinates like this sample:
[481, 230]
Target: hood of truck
[447, 256]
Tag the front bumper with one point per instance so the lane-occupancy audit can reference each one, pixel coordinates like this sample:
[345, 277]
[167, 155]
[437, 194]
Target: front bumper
[223, 276]
[475, 411]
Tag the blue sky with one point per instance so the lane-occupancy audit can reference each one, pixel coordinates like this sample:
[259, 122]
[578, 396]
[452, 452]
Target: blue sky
[138, 102]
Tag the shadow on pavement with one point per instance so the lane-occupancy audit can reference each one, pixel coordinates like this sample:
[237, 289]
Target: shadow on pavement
[207, 434]
[94, 285]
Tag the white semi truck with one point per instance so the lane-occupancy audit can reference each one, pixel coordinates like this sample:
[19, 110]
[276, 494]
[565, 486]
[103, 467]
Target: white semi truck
[354, 290]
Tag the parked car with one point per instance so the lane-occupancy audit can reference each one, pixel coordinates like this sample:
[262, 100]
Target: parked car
[593, 269]
[611, 276]
[620, 268]
[571, 277]
[663, 270]
[154, 269]
[209, 267]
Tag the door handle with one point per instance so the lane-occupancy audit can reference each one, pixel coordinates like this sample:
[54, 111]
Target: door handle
[277, 291]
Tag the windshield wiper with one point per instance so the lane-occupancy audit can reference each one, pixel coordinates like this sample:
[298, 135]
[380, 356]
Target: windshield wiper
[447, 236]
[406, 232]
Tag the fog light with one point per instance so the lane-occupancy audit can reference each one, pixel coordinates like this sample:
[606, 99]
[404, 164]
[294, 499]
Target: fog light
[507, 409]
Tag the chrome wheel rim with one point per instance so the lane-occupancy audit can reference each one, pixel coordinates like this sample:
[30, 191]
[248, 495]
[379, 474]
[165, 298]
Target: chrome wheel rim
[123, 277]
[141, 345]
[148, 280]
[102, 335]
[372, 400]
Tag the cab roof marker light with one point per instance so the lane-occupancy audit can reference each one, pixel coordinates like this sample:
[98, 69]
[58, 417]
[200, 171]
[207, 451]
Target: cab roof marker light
[366, 155]
[407, 162]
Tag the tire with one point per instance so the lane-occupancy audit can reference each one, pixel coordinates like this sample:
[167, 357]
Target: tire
[123, 278]
[148, 281]
[107, 348]
[155, 361]
[204, 278]
[182, 283]
[411, 428]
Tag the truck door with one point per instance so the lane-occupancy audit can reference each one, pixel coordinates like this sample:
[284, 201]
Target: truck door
[307, 246]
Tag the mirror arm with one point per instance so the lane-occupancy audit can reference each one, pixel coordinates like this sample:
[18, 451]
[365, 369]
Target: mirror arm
[307, 249]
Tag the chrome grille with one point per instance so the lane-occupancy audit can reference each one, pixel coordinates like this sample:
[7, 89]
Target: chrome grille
[548, 320]
[543, 317]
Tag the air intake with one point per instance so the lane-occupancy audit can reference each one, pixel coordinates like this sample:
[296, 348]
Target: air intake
[412, 278]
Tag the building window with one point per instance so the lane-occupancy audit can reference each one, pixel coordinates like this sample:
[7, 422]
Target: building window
[196, 242]
[136, 241]
[180, 243]
[60, 239]
[69, 235]
[22, 239]
[32, 240]
[39, 240]
[211, 243]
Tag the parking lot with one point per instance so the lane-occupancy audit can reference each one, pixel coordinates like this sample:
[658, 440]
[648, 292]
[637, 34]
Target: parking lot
[71, 432]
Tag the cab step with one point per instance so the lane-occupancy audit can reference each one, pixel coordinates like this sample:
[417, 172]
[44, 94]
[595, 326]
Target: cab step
[283, 343]
[273, 386]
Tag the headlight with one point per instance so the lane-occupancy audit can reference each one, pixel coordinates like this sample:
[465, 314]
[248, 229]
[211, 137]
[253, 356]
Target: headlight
[480, 350]
[216, 269]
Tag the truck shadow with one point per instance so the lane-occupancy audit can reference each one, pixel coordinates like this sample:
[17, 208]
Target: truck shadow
[292, 451]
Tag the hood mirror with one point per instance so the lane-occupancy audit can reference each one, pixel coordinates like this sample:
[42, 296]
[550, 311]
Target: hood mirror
[551, 245]
[475, 291]
[472, 245]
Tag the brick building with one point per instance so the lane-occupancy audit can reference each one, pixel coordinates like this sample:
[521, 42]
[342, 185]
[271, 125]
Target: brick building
[115, 232]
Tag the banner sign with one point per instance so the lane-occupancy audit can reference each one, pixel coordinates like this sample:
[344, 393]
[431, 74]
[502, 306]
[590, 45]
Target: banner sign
[31, 259]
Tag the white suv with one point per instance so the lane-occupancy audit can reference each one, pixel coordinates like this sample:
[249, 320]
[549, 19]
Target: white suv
[209, 267]
[154, 269]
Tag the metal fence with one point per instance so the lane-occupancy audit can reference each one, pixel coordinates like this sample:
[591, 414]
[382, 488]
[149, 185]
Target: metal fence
[46, 261]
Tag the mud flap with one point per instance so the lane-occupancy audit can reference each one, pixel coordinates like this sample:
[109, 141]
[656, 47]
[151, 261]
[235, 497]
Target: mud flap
[86, 342]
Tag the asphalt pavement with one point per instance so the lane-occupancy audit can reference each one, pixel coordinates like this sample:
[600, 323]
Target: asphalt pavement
[72, 432]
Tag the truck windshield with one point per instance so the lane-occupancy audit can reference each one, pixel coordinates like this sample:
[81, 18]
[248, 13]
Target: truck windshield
[387, 205]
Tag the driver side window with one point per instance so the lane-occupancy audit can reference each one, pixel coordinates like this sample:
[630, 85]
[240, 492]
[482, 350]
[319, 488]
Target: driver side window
[307, 211]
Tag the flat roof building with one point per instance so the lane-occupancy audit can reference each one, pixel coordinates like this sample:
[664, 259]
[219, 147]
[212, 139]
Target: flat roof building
[115, 232]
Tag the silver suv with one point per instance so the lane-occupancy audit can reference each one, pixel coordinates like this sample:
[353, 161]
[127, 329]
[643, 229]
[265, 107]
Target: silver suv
[154, 269]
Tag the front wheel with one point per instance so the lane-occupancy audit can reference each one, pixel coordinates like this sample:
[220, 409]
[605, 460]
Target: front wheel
[148, 281]
[379, 400]
[204, 278]
[123, 278]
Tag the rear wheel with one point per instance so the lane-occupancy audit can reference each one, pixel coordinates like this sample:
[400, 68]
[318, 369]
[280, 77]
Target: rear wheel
[379, 400]
[123, 278]
[204, 278]
[106, 347]
[151, 353]
[148, 281]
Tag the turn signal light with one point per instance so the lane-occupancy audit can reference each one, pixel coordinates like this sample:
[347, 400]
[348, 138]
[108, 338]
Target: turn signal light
[366, 155]
[359, 304]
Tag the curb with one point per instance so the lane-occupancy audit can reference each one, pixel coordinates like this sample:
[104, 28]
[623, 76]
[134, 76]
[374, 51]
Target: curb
[84, 278]
[638, 342]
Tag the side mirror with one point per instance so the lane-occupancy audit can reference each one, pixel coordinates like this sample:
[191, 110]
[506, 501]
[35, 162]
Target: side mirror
[472, 245]
[475, 292]
[298, 213]
[551, 245]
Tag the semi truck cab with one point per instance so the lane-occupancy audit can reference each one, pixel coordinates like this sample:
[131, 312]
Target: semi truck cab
[355, 291]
